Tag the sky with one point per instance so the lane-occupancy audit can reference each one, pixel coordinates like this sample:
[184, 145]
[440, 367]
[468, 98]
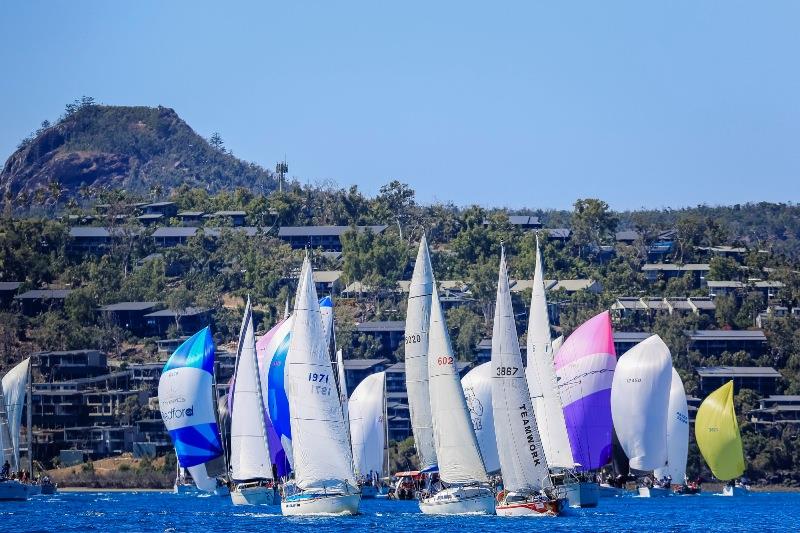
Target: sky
[503, 104]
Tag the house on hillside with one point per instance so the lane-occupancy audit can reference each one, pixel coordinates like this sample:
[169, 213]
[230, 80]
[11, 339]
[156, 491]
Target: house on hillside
[714, 342]
[326, 237]
[191, 218]
[165, 209]
[191, 319]
[762, 379]
[41, 300]
[8, 289]
[236, 218]
[389, 333]
[523, 222]
[658, 271]
[130, 315]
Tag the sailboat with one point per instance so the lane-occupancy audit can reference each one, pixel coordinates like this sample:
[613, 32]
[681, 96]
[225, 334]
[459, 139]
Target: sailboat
[323, 462]
[14, 392]
[584, 370]
[541, 377]
[188, 408]
[477, 385]
[463, 483]
[526, 476]
[639, 407]
[677, 438]
[367, 412]
[717, 433]
[416, 358]
[251, 467]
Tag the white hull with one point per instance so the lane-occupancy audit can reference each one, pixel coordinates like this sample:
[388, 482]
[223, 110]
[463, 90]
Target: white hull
[185, 489]
[653, 492]
[12, 490]
[460, 500]
[583, 494]
[735, 491]
[254, 495]
[343, 504]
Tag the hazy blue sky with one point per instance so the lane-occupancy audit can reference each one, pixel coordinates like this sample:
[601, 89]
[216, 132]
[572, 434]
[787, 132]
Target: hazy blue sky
[524, 104]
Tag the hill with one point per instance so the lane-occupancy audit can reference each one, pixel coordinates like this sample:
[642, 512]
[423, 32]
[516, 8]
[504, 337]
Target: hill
[94, 147]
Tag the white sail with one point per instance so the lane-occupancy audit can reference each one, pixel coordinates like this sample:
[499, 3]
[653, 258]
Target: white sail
[367, 425]
[250, 457]
[342, 379]
[416, 356]
[477, 385]
[639, 403]
[557, 342]
[15, 385]
[677, 433]
[320, 442]
[456, 446]
[522, 459]
[541, 376]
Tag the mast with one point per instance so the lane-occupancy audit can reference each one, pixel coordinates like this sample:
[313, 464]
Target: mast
[217, 418]
[30, 419]
[386, 425]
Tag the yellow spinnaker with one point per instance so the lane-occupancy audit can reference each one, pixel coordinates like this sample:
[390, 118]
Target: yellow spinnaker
[717, 434]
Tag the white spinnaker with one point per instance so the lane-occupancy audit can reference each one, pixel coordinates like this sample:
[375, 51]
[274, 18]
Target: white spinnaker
[519, 446]
[416, 356]
[367, 424]
[15, 385]
[541, 376]
[320, 441]
[456, 445]
[477, 385]
[677, 433]
[249, 451]
[639, 403]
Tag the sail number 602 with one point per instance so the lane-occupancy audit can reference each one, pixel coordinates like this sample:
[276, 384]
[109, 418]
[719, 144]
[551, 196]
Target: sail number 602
[507, 370]
[444, 361]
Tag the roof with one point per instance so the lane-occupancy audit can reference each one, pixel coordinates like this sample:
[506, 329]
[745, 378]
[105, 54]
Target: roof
[44, 294]
[250, 231]
[559, 233]
[728, 335]
[326, 276]
[129, 306]
[680, 303]
[189, 311]
[99, 232]
[672, 267]
[226, 214]
[385, 325]
[190, 213]
[712, 284]
[174, 232]
[519, 285]
[703, 303]
[627, 235]
[159, 204]
[316, 231]
[363, 364]
[656, 303]
[725, 249]
[9, 285]
[769, 284]
[396, 368]
[150, 216]
[628, 302]
[630, 336]
[738, 371]
[573, 285]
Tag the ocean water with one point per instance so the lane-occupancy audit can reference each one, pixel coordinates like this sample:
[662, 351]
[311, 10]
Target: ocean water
[165, 512]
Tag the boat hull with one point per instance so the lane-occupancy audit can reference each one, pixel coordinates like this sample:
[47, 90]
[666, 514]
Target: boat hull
[49, 488]
[530, 508]
[607, 491]
[734, 491]
[303, 504]
[254, 495]
[222, 490]
[369, 492]
[185, 489]
[12, 490]
[653, 492]
[460, 500]
[583, 494]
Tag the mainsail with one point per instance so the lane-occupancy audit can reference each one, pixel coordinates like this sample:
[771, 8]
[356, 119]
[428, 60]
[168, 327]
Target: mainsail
[368, 425]
[456, 446]
[272, 349]
[416, 357]
[15, 384]
[250, 457]
[477, 385]
[584, 370]
[186, 401]
[717, 433]
[522, 458]
[639, 403]
[322, 455]
[541, 376]
[677, 433]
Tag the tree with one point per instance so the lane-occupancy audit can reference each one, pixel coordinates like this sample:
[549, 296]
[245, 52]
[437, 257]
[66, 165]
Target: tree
[216, 141]
[178, 301]
[723, 269]
[592, 223]
[467, 329]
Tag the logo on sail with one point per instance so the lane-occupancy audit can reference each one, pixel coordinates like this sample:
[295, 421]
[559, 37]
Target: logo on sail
[526, 422]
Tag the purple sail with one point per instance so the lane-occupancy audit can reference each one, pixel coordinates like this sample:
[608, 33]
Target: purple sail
[584, 371]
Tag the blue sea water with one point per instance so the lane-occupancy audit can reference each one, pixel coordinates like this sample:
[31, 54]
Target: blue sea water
[165, 512]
